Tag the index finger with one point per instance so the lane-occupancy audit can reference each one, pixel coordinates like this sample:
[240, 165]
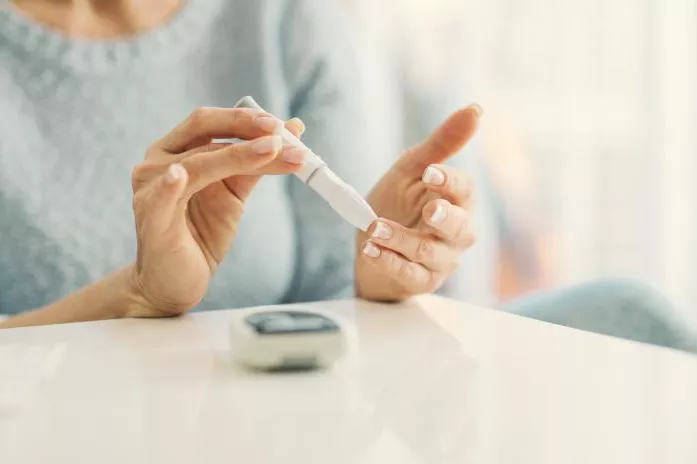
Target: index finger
[444, 142]
[205, 124]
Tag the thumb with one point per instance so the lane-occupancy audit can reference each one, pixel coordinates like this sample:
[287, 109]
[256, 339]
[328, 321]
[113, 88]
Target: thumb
[163, 203]
[444, 142]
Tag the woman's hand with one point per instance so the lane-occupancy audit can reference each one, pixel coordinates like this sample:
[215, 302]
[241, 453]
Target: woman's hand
[189, 196]
[424, 222]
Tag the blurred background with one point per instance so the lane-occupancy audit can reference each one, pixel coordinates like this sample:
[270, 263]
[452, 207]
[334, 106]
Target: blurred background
[587, 155]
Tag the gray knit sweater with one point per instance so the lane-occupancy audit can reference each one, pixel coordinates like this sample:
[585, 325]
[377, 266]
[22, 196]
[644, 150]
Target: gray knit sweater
[76, 116]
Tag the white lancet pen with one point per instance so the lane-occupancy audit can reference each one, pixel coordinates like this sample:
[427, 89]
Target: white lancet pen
[315, 173]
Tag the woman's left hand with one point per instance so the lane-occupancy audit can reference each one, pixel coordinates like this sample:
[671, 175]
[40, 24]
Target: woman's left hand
[424, 223]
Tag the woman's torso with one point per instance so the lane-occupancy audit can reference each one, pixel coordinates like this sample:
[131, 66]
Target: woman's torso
[74, 120]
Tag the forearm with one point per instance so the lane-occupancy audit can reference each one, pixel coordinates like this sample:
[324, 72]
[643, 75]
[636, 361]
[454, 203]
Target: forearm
[109, 298]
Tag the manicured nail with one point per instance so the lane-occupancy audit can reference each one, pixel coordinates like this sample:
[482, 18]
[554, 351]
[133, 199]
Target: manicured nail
[268, 123]
[268, 145]
[382, 231]
[301, 124]
[433, 176]
[478, 108]
[371, 250]
[294, 155]
[175, 173]
[439, 214]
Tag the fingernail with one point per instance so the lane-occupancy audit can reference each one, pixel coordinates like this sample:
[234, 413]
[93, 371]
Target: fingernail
[175, 173]
[370, 250]
[439, 214]
[382, 231]
[294, 155]
[301, 123]
[268, 145]
[478, 108]
[433, 176]
[268, 123]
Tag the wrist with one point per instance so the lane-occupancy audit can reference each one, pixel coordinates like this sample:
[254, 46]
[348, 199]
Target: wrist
[135, 301]
[116, 296]
[142, 302]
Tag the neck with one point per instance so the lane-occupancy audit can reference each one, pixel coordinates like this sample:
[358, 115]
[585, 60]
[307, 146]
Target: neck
[99, 19]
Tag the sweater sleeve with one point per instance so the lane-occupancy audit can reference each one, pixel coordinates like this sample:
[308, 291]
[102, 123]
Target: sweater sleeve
[320, 71]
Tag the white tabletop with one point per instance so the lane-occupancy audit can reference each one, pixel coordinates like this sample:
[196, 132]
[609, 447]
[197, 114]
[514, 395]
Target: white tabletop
[431, 381]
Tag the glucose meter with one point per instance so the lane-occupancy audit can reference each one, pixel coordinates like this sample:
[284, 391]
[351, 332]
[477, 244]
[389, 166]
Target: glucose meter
[287, 339]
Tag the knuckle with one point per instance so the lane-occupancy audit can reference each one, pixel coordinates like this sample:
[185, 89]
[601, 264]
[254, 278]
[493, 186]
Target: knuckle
[236, 151]
[239, 115]
[238, 159]
[198, 117]
[390, 261]
[424, 250]
[193, 168]
[135, 176]
[405, 272]
[139, 175]
[208, 147]
[460, 184]
[144, 172]
[461, 228]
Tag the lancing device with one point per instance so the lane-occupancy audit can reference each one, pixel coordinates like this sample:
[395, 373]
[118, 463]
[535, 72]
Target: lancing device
[315, 173]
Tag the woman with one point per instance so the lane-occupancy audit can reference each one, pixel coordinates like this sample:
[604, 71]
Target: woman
[87, 85]
[84, 101]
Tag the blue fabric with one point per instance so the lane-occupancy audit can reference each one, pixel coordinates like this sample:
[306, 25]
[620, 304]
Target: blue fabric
[618, 308]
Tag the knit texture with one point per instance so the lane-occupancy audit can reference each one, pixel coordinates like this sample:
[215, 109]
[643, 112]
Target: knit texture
[76, 116]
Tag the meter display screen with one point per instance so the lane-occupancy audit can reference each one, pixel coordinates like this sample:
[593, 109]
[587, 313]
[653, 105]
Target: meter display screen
[290, 322]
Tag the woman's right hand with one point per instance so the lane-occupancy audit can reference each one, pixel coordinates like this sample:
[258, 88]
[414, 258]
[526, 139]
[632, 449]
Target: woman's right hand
[189, 196]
